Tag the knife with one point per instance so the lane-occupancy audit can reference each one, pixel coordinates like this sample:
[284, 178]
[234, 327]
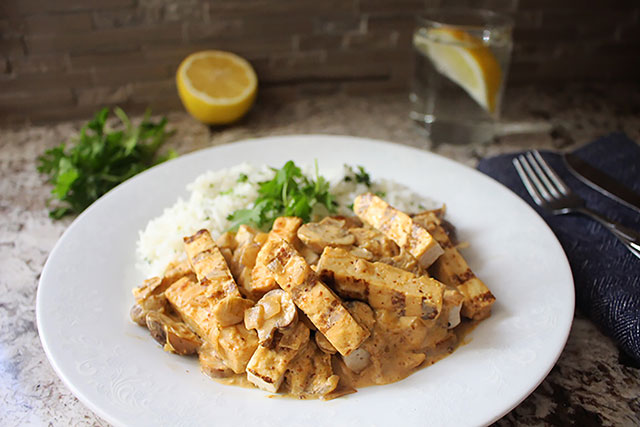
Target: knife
[601, 182]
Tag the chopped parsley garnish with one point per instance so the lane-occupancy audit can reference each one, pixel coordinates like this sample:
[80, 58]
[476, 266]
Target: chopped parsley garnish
[361, 176]
[289, 193]
[243, 177]
[101, 159]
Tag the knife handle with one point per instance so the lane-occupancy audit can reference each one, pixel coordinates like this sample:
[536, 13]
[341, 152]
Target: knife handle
[629, 237]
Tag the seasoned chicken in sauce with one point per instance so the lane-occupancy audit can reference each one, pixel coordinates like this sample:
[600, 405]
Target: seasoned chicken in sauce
[317, 310]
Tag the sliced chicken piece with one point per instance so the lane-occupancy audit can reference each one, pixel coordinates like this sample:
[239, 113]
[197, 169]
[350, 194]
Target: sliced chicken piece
[227, 240]
[213, 273]
[328, 232]
[234, 344]
[381, 285]
[174, 271]
[286, 227]
[150, 295]
[314, 298]
[363, 313]
[311, 374]
[399, 227]
[268, 365]
[244, 258]
[210, 266]
[452, 269]
[262, 281]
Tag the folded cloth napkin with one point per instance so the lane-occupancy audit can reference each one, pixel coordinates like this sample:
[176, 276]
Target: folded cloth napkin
[606, 274]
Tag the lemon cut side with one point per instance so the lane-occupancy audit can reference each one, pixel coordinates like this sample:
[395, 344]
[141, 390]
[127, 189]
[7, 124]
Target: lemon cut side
[466, 61]
[216, 87]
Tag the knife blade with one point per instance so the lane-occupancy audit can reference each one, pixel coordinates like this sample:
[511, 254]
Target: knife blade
[601, 182]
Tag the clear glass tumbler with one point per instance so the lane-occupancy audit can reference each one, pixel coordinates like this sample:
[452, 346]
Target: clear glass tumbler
[461, 61]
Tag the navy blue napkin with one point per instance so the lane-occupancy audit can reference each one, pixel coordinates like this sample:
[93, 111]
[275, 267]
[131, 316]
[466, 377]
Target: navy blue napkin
[606, 274]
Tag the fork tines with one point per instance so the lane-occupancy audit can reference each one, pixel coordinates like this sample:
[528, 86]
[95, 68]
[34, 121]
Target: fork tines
[539, 179]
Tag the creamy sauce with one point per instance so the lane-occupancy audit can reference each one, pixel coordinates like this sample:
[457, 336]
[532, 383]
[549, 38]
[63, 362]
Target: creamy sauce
[399, 346]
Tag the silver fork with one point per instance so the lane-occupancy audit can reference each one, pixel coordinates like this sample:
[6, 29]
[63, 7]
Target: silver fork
[551, 193]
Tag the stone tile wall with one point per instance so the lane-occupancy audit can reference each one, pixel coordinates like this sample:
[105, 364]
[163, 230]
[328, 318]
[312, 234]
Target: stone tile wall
[64, 59]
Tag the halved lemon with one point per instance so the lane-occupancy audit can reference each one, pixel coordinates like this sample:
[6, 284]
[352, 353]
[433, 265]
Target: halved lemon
[216, 87]
[465, 60]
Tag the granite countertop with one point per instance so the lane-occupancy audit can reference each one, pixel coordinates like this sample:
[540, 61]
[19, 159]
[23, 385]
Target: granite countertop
[590, 385]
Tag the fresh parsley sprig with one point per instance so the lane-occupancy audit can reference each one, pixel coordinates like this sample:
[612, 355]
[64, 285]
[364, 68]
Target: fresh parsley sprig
[101, 159]
[289, 193]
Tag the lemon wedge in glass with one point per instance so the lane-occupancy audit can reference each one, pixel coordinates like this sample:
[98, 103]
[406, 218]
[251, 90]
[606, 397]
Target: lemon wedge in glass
[465, 60]
[216, 87]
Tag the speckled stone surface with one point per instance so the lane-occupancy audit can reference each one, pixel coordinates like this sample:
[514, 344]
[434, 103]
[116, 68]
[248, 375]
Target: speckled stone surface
[590, 385]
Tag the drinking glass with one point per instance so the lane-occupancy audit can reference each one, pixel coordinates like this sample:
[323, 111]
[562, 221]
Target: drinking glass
[461, 62]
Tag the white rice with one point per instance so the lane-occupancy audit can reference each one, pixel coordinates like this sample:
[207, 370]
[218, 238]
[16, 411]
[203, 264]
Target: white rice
[216, 194]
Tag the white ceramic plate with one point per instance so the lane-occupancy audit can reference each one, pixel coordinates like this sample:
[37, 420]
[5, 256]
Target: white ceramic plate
[116, 369]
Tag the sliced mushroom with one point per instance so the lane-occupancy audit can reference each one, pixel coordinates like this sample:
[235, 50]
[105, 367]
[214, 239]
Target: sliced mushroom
[173, 335]
[405, 261]
[230, 310]
[328, 232]
[155, 324]
[453, 302]
[454, 316]
[294, 338]
[362, 253]
[348, 221]
[274, 311]
[358, 360]
[374, 241]
[324, 344]
[152, 303]
[138, 315]
[181, 340]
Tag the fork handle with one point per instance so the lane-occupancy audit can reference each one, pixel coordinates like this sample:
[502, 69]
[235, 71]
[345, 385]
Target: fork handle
[626, 235]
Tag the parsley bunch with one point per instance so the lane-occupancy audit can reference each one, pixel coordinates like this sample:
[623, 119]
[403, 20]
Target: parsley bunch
[289, 193]
[101, 159]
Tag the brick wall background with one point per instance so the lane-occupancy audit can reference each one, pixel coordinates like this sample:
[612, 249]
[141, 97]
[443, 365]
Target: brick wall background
[66, 58]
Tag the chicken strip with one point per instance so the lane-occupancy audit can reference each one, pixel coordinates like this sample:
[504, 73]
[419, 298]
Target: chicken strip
[381, 285]
[399, 227]
[234, 344]
[314, 298]
[210, 266]
[452, 269]
[268, 365]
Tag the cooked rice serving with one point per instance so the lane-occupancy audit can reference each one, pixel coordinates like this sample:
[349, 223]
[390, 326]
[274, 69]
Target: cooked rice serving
[214, 195]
